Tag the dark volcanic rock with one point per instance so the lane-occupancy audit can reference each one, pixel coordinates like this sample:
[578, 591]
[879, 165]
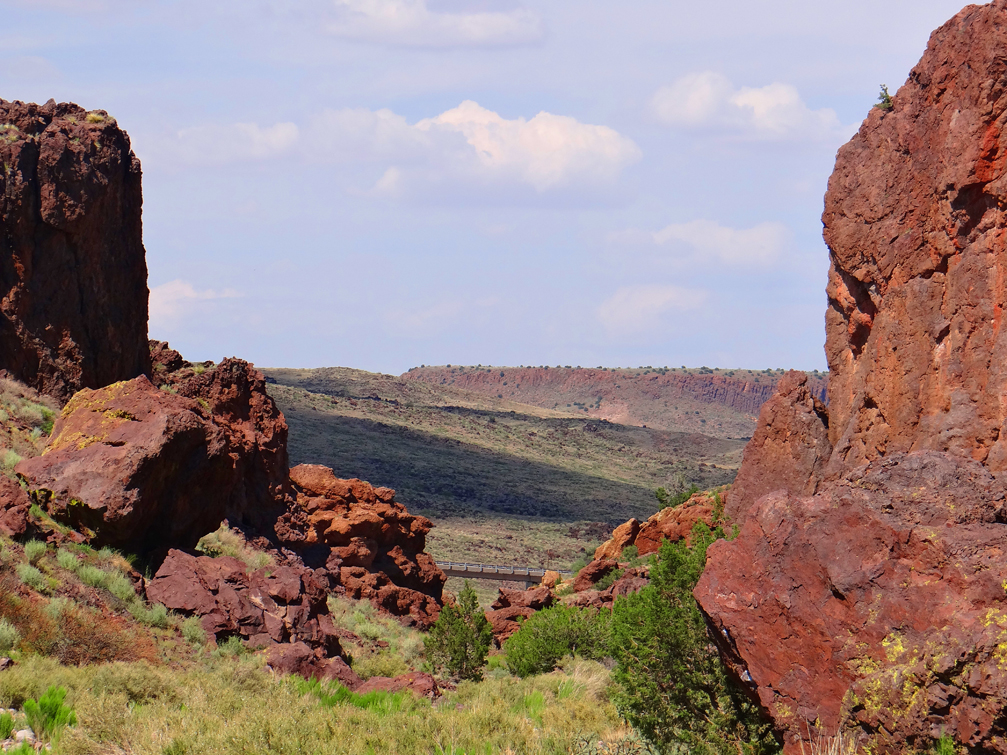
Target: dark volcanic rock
[73, 275]
[868, 590]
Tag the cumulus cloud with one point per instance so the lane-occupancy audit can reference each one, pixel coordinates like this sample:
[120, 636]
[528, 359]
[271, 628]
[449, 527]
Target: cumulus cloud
[637, 309]
[709, 101]
[236, 142]
[412, 23]
[468, 150]
[171, 301]
[761, 244]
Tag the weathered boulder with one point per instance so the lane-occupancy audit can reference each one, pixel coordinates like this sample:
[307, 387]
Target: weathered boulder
[505, 621]
[136, 467]
[367, 540]
[14, 507]
[420, 684]
[536, 598]
[673, 523]
[146, 469]
[878, 602]
[73, 275]
[280, 606]
[866, 588]
[592, 573]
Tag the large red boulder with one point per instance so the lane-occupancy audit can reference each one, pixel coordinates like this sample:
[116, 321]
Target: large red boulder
[73, 275]
[145, 469]
[866, 589]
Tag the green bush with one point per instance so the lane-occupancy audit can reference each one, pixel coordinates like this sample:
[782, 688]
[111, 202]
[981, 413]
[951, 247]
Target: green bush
[92, 575]
[554, 633]
[120, 587]
[671, 684]
[31, 576]
[154, 616]
[33, 551]
[47, 716]
[667, 498]
[232, 647]
[6, 725]
[67, 560]
[459, 640]
[9, 638]
[193, 632]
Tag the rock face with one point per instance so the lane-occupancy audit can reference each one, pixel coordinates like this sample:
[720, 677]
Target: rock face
[73, 275]
[866, 588]
[360, 534]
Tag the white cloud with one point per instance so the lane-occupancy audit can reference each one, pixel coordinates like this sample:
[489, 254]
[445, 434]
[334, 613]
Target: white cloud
[171, 301]
[637, 309]
[412, 23]
[468, 150]
[709, 101]
[761, 244]
[236, 142]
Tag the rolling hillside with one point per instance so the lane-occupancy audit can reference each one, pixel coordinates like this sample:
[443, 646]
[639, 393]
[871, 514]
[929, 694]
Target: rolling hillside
[502, 480]
[721, 403]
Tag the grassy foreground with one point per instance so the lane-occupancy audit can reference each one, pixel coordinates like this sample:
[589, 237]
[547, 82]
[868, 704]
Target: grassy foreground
[228, 706]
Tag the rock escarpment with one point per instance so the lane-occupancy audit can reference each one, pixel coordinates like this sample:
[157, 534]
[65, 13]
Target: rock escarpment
[866, 588]
[73, 276]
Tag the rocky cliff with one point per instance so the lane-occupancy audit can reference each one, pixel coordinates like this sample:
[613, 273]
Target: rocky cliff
[721, 403]
[73, 276]
[866, 588]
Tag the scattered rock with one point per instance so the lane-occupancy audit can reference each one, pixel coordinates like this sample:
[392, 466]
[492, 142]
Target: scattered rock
[420, 684]
[592, 573]
[74, 278]
[6, 663]
[536, 598]
[551, 578]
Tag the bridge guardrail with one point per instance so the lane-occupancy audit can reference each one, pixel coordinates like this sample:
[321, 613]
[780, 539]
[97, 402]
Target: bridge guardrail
[516, 571]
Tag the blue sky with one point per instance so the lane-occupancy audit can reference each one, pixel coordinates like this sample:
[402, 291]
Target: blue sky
[384, 183]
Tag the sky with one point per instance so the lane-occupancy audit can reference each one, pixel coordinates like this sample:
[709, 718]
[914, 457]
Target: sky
[381, 184]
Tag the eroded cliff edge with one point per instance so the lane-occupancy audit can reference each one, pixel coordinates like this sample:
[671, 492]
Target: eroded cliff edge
[866, 588]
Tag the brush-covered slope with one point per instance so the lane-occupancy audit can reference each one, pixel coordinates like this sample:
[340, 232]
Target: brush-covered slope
[721, 403]
[487, 469]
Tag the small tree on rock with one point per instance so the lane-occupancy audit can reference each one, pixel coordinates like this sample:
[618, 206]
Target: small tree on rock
[459, 640]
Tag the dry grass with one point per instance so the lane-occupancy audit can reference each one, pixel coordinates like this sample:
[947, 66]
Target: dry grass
[228, 542]
[226, 707]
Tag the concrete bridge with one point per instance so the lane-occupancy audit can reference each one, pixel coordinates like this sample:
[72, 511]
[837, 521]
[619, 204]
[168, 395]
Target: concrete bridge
[529, 575]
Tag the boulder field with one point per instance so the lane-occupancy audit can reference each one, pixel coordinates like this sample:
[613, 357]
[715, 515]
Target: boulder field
[867, 589]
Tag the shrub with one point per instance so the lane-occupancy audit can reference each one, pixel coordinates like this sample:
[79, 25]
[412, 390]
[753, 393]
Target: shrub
[672, 686]
[154, 616]
[6, 725]
[459, 640]
[226, 542]
[67, 560]
[884, 99]
[92, 575]
[668, 499]
[33, 551]
[551, 634]
[31, 576]
[9, 638]
[193, 632]
[47, 716]
[232, 647]
[120, 587]
[10, 460]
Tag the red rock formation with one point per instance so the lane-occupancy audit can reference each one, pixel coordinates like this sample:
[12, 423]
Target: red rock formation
[14, 506]
[361, 534]
[868, 591]
[73, 277]
[789, 450]
[138, 467]
[420, 684]
[593, 573]
[672, 523]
